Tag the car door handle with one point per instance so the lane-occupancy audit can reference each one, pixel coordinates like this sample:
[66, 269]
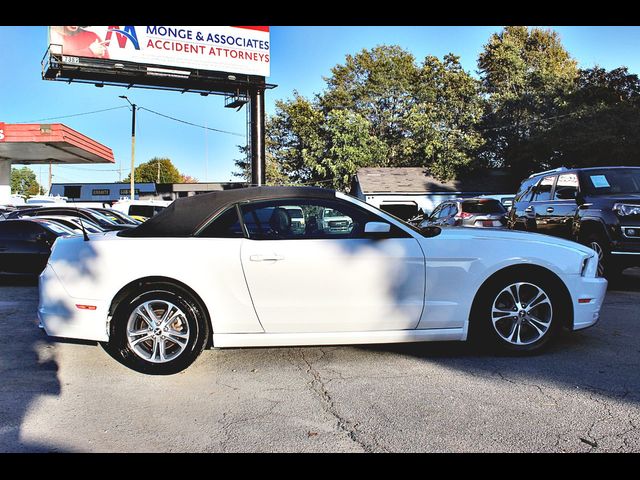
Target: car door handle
[266, 258]
[549, 209]
[529, 209]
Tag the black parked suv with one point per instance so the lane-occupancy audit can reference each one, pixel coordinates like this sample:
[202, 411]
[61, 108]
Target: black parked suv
[598, 207]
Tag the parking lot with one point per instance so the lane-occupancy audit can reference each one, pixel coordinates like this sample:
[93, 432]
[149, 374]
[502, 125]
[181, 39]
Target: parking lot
[581, 395]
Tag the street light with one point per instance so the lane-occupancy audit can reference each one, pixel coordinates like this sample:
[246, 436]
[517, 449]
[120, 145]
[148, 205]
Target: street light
[133, 145]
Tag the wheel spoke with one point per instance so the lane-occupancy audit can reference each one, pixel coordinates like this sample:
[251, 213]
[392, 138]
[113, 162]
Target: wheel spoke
[171, 319]
[179, 335]
[144, 314]
[161, 344]
[535, 324]
[538, 299]
[154, 352]
[137, 333]
[515, 292]
[515, 333]
[141, 339]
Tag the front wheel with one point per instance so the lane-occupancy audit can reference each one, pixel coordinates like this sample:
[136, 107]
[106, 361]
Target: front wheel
[160, 331]
[606, 265]
[518, 313]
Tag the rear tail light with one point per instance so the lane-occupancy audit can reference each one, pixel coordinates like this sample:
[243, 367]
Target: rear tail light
[464, 215]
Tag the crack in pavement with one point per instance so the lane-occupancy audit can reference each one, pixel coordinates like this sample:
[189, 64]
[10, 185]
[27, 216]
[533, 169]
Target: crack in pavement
[542, 392]
[318, 386]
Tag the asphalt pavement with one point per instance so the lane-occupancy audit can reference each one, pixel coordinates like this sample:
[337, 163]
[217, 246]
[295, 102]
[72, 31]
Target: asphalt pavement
[581, 395]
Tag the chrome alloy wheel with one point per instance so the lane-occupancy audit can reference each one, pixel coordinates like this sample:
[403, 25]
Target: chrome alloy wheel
[596, 246]
[521, 313]
[157, 331]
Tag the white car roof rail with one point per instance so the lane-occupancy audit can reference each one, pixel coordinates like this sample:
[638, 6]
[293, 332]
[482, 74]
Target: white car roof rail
[554, 170]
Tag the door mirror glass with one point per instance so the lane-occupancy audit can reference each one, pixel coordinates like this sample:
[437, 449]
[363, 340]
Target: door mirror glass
[377, 227]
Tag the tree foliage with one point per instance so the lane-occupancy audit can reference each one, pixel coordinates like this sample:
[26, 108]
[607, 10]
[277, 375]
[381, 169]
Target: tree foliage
[526, 75]
[531, 109]
[23, 182]
[380, 108]
[158, 170]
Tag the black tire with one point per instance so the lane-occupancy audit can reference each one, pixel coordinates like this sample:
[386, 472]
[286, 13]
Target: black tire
[494, 336]
[178, 352]
[607, 266]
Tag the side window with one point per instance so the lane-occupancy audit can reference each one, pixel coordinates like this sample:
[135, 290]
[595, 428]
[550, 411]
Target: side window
[308, 219]
[444, 209]
[226, 225]
[542, 191]
[566, 187]
[436, 212]
[525, 190]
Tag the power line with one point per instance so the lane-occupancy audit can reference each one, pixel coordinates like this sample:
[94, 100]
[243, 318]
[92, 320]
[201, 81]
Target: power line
[190, 123]
[74, 115]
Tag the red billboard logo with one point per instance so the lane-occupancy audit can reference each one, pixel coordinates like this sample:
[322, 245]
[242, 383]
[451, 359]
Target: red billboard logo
[123, 34]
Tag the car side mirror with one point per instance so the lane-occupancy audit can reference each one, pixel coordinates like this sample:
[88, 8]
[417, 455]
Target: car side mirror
[377, 227]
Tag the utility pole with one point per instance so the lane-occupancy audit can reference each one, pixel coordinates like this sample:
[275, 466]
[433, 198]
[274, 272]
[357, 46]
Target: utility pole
[50, 179]
[158, 180]
[134, 107]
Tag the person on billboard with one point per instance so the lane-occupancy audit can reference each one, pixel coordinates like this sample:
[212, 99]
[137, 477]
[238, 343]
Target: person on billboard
[76, 41]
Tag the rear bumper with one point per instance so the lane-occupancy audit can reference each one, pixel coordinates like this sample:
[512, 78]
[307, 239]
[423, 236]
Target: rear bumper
[60, 316]
[587, 314]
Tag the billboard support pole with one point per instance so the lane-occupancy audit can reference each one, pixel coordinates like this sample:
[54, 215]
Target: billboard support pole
[133, 152]
[256, 101]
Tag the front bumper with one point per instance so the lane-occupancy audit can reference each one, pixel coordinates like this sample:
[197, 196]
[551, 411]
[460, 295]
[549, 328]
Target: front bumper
[587, 314]
[60, 316]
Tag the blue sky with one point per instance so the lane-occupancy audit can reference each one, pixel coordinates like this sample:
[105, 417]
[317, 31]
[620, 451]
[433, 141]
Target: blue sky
[300, 58]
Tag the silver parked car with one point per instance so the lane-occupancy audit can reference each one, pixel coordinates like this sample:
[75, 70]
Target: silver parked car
[468, 212]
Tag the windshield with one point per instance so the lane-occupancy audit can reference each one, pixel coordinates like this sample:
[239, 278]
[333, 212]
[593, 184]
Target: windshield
[330, 212]
[610, 181]
[103, 218]
[483, 206]
[57, 228]
[294, 212]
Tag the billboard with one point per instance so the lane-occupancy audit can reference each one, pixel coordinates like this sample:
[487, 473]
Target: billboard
[232, 49]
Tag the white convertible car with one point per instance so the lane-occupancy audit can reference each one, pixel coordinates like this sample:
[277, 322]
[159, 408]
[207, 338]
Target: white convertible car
[226, 269]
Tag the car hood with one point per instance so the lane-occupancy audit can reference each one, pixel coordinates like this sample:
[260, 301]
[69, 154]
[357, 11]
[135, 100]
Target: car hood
[471, 233]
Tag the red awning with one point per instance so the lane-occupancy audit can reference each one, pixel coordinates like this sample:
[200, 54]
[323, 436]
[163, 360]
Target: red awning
[49, 143]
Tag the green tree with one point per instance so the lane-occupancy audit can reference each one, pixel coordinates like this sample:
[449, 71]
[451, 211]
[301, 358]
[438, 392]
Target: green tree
[273, 174]
[380, 85]
[379, 109]
[443, 121]
[159, 170]
[349, 145]
[600, 124]
[23, 182]
[526, 75]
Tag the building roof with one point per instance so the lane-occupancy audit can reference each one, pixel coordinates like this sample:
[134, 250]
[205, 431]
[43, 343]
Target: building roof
[185, 216]
[417, 180]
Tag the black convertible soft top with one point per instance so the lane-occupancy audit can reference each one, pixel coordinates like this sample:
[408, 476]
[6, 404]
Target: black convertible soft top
[186, 215]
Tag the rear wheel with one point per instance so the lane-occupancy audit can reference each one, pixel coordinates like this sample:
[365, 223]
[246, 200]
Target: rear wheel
[517, 312]
[160, 331]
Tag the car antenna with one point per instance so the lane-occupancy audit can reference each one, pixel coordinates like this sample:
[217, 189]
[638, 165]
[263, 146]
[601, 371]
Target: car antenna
[84, 232]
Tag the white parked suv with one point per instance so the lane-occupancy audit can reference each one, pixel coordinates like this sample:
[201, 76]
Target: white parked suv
[332, 221]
